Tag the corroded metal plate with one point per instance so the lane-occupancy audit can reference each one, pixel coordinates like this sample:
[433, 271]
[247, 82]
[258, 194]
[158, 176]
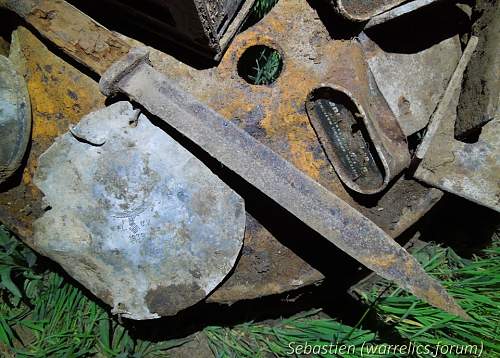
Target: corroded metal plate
[134, 216]
[15, 118]
[271, 262]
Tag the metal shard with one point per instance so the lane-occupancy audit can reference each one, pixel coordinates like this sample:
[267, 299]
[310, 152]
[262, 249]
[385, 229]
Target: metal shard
[470, 170]
[449, 96]
[135, 217]
[413, 83]
[481, 88]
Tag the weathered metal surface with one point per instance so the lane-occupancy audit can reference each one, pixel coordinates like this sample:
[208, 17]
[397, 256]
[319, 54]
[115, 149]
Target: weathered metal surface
[399, 11]
[350, 151]
[413, 83]
[268, 172]
[363, 10]
[15, 118]
[470, 170]
[134, 216]
[93, 47]
[375, 283]
[359, 133]
[481, 88]
[60, 95]
[452, 92]
[414, 200]
[274, 115]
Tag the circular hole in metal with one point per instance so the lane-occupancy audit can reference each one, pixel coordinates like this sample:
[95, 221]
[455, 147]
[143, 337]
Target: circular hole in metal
[260, 65]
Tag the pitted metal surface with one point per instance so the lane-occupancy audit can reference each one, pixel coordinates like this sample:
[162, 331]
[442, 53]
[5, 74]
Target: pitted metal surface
[470, 170]
[413, 83]
[277, 178]
[274, 115]
[15, 118]
[134, 216]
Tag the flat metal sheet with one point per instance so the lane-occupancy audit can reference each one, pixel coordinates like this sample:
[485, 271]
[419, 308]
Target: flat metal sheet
[134, 216]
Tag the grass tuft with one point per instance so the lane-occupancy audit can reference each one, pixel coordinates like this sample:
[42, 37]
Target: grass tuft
[475, 284]
[267, 67]
[264, 340]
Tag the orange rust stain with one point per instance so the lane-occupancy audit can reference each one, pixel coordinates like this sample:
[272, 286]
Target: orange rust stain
[276, 25]
[236, 108]
[287, 119]
[302, 158]
[410, 266]
[383, 262]
[60, 95]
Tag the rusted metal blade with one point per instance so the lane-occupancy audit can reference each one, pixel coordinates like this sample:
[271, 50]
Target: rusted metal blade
[310, 202]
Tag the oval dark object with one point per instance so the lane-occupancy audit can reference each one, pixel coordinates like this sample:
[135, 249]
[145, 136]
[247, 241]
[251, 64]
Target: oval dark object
[339, 124]
[15, 119]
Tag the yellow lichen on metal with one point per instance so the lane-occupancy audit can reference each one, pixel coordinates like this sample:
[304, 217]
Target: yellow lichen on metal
[60, 95]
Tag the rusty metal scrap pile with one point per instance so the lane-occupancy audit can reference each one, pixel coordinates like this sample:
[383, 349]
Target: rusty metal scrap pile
[158, 185]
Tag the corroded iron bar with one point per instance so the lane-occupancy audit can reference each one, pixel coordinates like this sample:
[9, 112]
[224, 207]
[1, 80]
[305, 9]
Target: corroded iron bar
[310, 202]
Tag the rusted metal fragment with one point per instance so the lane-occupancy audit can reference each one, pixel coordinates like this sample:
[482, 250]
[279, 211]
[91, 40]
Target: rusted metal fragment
[266, 266]
[59, 95]
[258, 165]
[408, 203]
[446, 104]
[481, 88]
[15, 118]
[275, 115]
[95, 47]
[363, 10]
[399, 11]
[134, 216]
[374, 282]
[470, 170]
[335, 117]
[413, 83]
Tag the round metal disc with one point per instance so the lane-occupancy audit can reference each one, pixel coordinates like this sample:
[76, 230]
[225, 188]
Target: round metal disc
[134, 216]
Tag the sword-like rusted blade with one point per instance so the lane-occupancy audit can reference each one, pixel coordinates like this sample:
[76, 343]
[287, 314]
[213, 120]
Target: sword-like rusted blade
[310, 202]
